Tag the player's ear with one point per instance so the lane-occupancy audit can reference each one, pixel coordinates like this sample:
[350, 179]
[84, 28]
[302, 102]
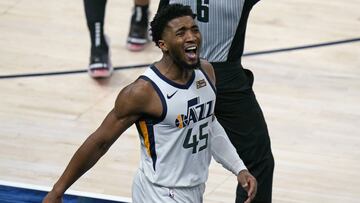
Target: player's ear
[162, 45]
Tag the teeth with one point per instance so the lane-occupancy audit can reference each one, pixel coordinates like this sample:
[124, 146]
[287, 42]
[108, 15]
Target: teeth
[191, 48]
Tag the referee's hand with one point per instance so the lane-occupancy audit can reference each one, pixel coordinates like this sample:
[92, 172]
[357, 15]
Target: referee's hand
[248, 182]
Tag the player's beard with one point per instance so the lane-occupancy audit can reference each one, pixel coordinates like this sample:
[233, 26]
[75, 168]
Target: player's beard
[181, 63]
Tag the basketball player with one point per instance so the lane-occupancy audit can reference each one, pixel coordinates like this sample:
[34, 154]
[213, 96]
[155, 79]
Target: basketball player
[172, 105]
[100, 62]
[223, 28]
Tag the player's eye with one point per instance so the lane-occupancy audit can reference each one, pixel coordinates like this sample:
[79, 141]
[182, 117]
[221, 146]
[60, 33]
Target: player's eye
[180, 33]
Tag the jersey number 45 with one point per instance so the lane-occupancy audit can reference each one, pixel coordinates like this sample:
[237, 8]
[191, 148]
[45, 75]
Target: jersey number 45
[192, 141]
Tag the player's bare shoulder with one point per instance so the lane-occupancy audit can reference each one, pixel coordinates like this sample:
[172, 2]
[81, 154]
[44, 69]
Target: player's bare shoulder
[209, 70]
[138, 98]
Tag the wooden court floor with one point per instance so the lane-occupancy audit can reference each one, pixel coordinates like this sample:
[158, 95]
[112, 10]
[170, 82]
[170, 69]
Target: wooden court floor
[310, 97]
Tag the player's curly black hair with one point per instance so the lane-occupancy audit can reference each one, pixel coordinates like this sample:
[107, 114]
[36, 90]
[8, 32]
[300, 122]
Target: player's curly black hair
[166, 14]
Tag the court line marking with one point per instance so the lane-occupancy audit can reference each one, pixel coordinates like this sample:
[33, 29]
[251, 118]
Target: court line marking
[68, 192]
[22, 75]
[303, 47]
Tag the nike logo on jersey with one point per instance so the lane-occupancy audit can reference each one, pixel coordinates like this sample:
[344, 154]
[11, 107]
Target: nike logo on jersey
[169, 96]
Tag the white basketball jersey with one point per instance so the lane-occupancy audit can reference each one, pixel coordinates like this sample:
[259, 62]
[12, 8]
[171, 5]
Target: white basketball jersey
[174, 147]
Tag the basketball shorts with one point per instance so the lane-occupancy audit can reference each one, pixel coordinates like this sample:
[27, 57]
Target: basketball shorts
[144, 191]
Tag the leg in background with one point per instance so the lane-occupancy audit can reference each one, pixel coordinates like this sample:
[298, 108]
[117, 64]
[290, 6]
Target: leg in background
[100, 64]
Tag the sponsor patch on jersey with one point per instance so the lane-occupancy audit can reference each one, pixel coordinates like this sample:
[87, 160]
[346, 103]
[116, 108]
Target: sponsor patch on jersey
[200, 83]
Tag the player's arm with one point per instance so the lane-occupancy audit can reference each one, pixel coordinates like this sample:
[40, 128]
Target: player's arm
[221, 148]
[225, 154]
[131, 102]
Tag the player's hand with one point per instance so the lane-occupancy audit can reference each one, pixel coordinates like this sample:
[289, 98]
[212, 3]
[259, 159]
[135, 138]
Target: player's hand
[52, 197]
[248, 182]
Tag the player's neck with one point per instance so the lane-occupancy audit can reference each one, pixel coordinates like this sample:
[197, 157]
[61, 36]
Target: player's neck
[172, 71]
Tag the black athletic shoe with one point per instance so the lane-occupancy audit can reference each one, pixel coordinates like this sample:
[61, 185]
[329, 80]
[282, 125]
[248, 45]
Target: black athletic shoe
[100, 62]
[100, 65]
[138, 35]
